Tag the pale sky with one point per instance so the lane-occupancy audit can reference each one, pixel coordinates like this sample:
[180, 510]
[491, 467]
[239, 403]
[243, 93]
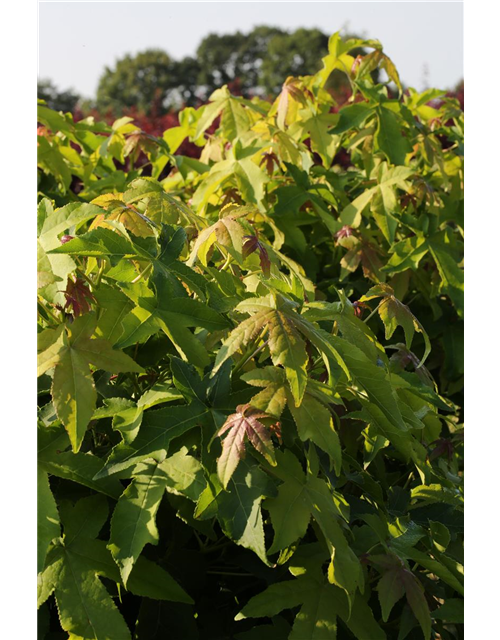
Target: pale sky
[78, 39]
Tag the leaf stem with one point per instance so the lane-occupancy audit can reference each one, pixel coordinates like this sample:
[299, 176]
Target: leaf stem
[85, 277]
[374, 311]
[44, 306]
[143, 272]
[245, 359]
[100, 272]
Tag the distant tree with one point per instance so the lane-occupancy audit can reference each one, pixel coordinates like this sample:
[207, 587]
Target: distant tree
[262, 58]
[138, 81]
[292, 54]
[187, 91]
[55, 99]
[218, 58]
[253, 63]
[225, 58]
[458, 93]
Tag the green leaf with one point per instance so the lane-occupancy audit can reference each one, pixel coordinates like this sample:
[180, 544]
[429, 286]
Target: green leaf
[273, 398]
[289, 350]
[48, 526]
[174, 316]
[285, 343]
[290, 514]
[161, 207]
[114, 306]
[451, 275]
[322, 140]
[390, 589]
[389, 138]
[397, 581]
[74, 395]
[451, 611]
[50, 158]
[373, 380]
[239, 511]
[77, 467]
[98, 243]
[394, 313]
[351, 117]
[320, 605]
[407, 254]
[86, 610]
[436, 567]
[279, 596]
[133, 522]
[184, 475]
[235, 121]
[313, 493]
[387, 179]
[157, 430]
[418, 603]
[314, 422]
[73, 390]
[85, 607]
[147, 578]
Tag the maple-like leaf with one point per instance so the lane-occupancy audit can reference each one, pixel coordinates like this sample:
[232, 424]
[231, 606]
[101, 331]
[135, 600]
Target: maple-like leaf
[393, 312]
[312, 418]
[239, 507]
[254, 244]
[242, 426]
[235, 120]
[73, 567]
[291, 94]
[286, 346]
[161, 207]
[136, 222]
[302, 496]
[71, 349]
[78, 296]
[133, 524]
[397, 581]
[227, 232]
[321, 604]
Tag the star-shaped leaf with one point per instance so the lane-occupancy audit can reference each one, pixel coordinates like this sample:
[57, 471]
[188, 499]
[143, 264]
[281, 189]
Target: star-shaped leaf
[133, 522]
[239, 507]
[71, 350]
[243, 426]
[72, 569]
[300, 497]
[393, 312]
[397, 581]
[320, 605]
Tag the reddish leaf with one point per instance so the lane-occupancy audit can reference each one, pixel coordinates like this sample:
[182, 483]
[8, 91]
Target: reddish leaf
[242, 426]
[78, 296]
[252, 244]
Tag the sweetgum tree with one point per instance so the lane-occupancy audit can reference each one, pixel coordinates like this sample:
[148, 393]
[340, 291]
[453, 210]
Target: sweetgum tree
[250, 369]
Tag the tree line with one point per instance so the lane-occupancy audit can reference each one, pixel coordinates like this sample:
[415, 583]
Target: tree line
[251, 64]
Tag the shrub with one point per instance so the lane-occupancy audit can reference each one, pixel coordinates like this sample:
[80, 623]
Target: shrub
[250, 367]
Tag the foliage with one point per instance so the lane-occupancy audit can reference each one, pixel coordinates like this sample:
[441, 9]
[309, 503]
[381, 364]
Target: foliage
[250, 391]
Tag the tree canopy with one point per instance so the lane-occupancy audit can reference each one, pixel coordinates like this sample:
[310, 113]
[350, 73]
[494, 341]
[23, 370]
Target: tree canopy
[253, 63]
[137, 81]
[56, 99]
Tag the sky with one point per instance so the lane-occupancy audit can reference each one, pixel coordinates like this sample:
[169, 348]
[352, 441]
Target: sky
[78, 39]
